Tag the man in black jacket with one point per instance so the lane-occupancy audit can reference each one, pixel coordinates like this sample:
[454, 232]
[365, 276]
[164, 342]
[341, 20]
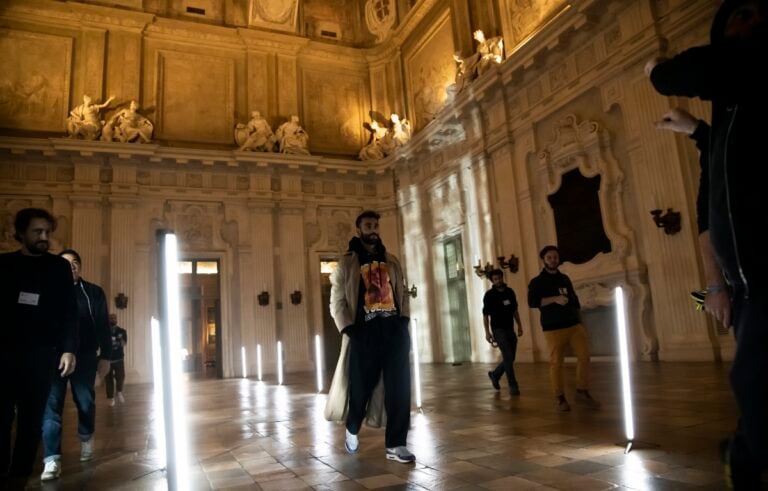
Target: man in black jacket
[39, 325]
[93, 354]
[499, 317]
[729, 72]
[552, 293]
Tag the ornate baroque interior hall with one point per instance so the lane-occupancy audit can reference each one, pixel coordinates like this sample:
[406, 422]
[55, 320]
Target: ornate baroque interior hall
[460, 220]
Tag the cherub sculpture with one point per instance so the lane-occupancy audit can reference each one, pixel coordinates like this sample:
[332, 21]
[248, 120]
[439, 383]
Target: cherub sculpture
[257, 135]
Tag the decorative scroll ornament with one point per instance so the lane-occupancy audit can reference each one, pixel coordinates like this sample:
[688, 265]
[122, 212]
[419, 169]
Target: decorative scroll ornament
[380, 17]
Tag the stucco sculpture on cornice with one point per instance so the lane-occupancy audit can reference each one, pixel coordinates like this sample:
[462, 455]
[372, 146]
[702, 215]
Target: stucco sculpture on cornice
[380, 16]
[256, 135]
[292, 138]
[490, 51]
[386, 135]
[85, 120]
[127, 125]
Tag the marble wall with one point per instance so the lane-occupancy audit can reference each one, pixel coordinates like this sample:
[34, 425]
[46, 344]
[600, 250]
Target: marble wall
[571, 94]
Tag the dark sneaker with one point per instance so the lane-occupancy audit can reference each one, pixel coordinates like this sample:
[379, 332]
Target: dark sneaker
[585, 398]
[741, 474]
[494, 381]
[562, 404]
[400, 454]
[514, 391]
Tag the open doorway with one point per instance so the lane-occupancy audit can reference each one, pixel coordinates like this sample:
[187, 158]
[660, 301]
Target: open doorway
[201, 317]
[461, 344]
[331, 335]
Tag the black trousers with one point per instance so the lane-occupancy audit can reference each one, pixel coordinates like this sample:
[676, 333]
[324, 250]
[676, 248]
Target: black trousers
[749, 374]
[381, 345]
[116, 375]
[507, 341]
[24, 386]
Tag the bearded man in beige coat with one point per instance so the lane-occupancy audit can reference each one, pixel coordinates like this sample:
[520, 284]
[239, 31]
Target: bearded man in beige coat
[370, 307]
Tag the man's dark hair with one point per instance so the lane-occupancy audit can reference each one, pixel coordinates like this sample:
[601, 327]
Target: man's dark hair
[366, 214]
[24, 218]
[547, 249]
[495, 272]
[74, 253]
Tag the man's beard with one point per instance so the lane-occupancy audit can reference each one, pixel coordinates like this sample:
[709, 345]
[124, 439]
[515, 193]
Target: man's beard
[370, 239]
[41, 247]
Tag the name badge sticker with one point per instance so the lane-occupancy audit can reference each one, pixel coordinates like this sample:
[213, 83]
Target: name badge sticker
[26, 298]
[506, 302]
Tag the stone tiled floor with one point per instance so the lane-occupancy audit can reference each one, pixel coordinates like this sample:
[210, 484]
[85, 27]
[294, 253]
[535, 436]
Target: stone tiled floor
[250, 435]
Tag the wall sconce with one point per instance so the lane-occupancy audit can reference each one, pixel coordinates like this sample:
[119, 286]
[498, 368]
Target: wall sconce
[412, 292]
[121, 301]
[669, 221]
[512, 264]
[296, 297]
[263, 298]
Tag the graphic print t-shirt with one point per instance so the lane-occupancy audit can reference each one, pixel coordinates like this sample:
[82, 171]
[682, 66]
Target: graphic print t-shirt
[379, 299]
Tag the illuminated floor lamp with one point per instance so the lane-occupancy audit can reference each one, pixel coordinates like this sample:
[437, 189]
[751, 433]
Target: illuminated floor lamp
[170, 365]
[319, 362]
[416, 366]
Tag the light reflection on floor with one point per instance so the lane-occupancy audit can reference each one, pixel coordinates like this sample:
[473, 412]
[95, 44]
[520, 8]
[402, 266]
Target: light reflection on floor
[247, 434]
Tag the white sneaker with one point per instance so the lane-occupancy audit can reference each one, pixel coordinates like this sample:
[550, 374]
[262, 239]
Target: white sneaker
[111, 402]
[120, 398]
[86, 450]
[351, 443]
[52, 471]
[400, 454]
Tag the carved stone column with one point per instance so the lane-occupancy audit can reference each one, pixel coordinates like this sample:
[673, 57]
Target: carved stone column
[122, 268]
[87, 235]
[293, 330]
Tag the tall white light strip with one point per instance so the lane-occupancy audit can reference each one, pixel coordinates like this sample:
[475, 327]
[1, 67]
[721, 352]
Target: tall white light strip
[242, 358]
[157, 378]
[176, 441]
[258, 361]
[318, 363]
[416, 367]
[279, 363]
[626, 384]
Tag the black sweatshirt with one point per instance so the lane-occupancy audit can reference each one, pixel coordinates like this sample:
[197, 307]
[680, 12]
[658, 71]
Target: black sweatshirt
[37, 299]
[95, 332]
[554, 316]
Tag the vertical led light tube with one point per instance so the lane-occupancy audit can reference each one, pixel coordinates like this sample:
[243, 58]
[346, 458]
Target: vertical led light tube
[279, 363]
[242, 358]
[319, 363]
[157, 378]
[170, 342]
[626, 384]
[416, 367]
[258, 361]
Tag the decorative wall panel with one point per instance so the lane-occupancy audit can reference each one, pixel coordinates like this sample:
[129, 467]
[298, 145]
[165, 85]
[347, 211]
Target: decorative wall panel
[430, 68]
[195, 97]
[34, 80]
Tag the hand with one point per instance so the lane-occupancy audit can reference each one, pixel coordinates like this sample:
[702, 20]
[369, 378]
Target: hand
[489, 337]
[103, 368]
[651, 64]
[561, 300]
[718, 304]
[519, 332]
[679, 121]
[67, 364]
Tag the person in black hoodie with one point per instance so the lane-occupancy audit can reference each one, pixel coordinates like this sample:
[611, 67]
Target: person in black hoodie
[730, 73]
[552, 293]
[39, 325]
[93, 355]
[369, 304]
